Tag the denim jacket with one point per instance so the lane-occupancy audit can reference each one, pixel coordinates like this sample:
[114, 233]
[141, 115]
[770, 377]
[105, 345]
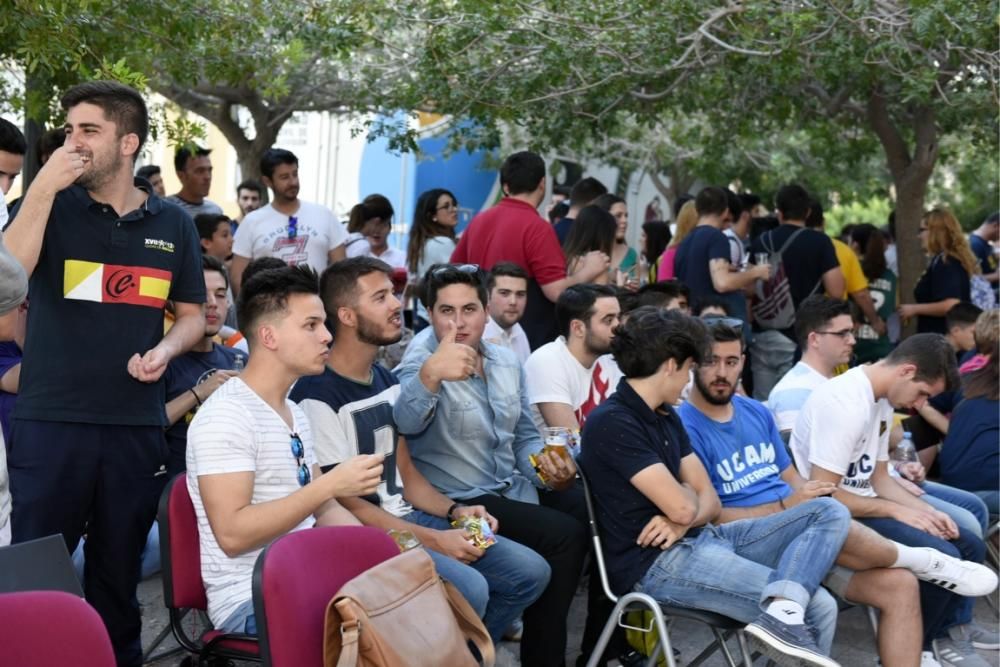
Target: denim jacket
[473, 437]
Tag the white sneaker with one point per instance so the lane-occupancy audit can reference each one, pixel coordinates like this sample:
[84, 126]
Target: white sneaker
[961, 577]
[927, 659]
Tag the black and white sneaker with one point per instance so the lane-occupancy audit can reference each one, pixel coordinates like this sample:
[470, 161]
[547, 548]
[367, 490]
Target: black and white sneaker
[788, 645]
[961, 577]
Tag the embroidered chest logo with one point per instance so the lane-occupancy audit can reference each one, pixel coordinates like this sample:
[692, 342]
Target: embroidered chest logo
[160, 244]
[113, 283]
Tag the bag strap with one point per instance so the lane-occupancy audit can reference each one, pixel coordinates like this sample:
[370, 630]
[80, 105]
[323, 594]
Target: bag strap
[350, 630]
[470, 625]
[788, 241]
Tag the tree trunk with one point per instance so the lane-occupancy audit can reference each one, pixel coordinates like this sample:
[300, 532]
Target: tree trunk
[910, 174]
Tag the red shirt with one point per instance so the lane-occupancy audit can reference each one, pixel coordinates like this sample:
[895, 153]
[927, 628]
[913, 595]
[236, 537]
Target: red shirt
[512, 231]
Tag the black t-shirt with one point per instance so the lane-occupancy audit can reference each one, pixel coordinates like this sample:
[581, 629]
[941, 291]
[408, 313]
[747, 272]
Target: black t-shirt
[945, 278]
[809, 256]
[691, 264]
[97, 297]
[622, 437]
[539, 319]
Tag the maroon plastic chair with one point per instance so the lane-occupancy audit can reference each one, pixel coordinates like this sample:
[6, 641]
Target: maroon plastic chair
[183, 588]
[52, 629]
[295, 578]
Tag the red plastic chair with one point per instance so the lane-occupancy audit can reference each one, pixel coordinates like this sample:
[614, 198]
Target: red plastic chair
[183, 588]
[52, 629]
[296, 577]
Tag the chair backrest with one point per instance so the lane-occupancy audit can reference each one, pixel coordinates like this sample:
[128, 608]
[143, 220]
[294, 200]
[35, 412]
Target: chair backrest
[180, 550]
[595, 537]
[38, 565]
[52, 629]
[297, 576]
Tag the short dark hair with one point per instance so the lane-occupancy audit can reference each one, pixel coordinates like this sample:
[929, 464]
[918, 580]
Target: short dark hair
[561, 190]
[208, 223]
[651, 336]
[815, 218]
[439, 276]
[660, 293]
[814, 313]
[792, 201]
[577, 303]
[933, 356]
[49, 142]
[508, 269]
[679, 203]
[992, 219]
[521, 172]
[273, 157]
[962, 314]
[734, 204]
[147, 171]
[749, 201]
[121, 104]
[338, 286]
[209, 263]
[607, 200]
[11, 138]
[251, 184]
[710, 301]
[585, 191]
[711, 201]
[558, 212]
[267, 293]
[255, 266]
[187, 151]
[724, 330]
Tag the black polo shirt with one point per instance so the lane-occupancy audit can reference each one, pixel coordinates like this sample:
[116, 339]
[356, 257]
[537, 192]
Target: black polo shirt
[622, 437]
[96, 298]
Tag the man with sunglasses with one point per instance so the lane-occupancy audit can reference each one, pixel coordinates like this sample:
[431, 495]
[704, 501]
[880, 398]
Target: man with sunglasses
[350, 409]
[252, 473]
[841, 437]
[465, 414]
[737, 441]
[295, 231]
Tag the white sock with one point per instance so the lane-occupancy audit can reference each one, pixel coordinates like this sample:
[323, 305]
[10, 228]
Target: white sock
[914, 559]
[786, 611]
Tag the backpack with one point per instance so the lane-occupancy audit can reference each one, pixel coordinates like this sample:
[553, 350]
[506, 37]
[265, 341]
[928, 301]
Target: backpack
[773, 307]
[981, 292]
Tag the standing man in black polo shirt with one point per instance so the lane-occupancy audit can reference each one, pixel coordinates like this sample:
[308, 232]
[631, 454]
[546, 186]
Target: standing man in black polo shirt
[103, 256]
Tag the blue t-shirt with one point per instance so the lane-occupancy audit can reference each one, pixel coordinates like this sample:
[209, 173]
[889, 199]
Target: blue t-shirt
[744, 457]
[945, 278]
[984, 253]
[562, 227]
[691, 264]
[970, 458]
[182, 374]
[10, 356]
[622, 437]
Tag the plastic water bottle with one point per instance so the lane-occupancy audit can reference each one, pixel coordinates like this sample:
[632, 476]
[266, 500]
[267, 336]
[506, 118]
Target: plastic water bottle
[238, 363]
[905, 452]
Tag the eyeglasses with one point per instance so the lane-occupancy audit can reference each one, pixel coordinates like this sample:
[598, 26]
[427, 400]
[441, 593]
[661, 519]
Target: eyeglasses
[447, 207]
[293, 227]
[843, 334]
[444, 269]
[299, 452]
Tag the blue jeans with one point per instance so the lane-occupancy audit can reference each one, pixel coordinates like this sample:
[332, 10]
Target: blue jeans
[940, 608]
[505, 580]
[964, 507]
[735, 568]
[241, 620]
[991, 499]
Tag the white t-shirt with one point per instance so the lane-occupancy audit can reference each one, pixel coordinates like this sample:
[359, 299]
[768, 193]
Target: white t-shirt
[437, 250]
[236, 431]
[791, 393]
[553, 375]
[516, 340]
[394, 257]
[737, 250]
[843, 429]
[264, 233]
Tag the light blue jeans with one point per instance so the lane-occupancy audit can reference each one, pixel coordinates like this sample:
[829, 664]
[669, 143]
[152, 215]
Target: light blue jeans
[966, 508]
[505, 580]
[736, 568]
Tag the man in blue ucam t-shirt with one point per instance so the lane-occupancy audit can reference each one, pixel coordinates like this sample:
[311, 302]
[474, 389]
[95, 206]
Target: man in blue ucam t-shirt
[738, 441]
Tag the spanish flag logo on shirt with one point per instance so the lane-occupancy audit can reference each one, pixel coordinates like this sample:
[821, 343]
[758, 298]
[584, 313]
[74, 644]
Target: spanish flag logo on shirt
[112, 283]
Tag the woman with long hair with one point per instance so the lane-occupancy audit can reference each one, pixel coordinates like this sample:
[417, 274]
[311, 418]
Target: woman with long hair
[374, 210]
[687, 219]
[948, 276]
[432, 239]
[594, 229]
[868, 243]
[652, 244]
[623, 257]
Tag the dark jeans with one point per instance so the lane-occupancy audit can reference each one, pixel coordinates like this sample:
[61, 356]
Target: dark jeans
[599, 607]
[940, 608]
[562, 541]
[70, 478]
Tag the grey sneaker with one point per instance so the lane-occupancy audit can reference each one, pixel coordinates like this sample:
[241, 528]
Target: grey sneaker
[979, 636]
[957, 653]
[791, 645]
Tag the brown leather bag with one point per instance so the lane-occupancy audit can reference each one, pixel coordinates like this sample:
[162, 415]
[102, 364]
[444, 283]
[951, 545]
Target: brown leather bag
[401, 614]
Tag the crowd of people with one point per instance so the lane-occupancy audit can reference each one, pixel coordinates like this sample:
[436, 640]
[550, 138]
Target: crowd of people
[736, 391]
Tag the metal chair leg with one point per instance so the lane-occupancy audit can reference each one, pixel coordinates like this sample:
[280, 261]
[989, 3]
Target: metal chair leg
[741, 637]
